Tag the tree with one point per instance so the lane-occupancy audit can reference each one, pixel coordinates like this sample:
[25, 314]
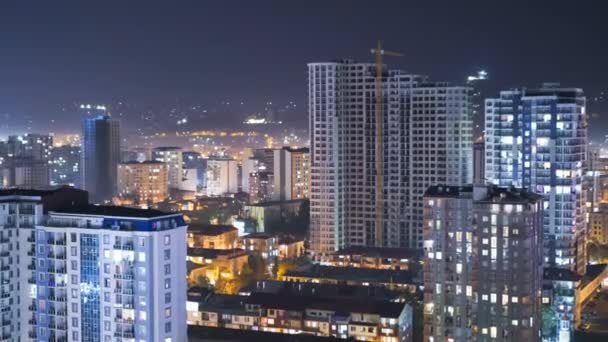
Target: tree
[290, 264]
[202, 281]
[597, 252]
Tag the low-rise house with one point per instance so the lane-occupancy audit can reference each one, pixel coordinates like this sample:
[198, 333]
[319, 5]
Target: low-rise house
[356, 318]
[373, 257]
[291, 247]
[216, 263]
[266, 245]
[213, 236]
[354, 276]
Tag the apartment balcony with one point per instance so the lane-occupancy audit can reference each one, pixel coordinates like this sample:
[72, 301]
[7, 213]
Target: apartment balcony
[4, 240]
[32, 334]
[5, 268]
[60, 242]
[121, 320]
[31, 252]
[124, 275]
[32, 321]
[5, 295]
[6, 323]
[124, 290]
[125, 333]
[31, 280]
[32, 307]
[4, 254]
[128, 246]
[31, 238]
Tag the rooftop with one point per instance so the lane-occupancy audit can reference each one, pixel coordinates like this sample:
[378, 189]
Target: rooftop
[36, 193]
[300, 150]
[368, 275]
[484, 193]
[381, 252]
[298, 302]
[276, 203]
[146, 162]
[449, 191]
[114, 211]
[210, 229]
[343, 305]
[209, 253]
[323, 290]
[562, 274]
[259, 236]
[167, 148]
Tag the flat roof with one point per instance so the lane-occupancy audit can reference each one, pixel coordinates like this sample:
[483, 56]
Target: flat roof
[273, 203]
[209, 253]
[338, 304]
[259, 236]
[210, 229]
[381, 252]
[370, 275]
[37, 193]
[114, 211]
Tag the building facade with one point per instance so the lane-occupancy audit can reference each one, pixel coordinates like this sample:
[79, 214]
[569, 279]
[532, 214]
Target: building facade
[222, 176]
[100, 153]
[354, 318]
[24, 161]
[427, 140]
[143, 183]
[483, 272]
[536, 139]
[291, 173]
[90, 273]
[172, 157]
[65, 165]
[598, 226]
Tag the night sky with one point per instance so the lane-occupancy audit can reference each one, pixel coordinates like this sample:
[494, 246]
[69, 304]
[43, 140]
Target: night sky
[54, 54]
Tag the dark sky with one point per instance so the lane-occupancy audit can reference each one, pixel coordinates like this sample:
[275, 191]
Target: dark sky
[152, 52]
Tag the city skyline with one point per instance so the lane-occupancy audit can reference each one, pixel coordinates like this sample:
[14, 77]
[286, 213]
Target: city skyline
[247, 170]
[153, 62]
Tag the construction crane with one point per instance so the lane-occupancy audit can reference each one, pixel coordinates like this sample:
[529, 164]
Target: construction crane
[379, 52]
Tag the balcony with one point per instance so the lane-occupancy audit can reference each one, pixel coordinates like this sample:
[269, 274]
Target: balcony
[124, 275]
[125, 333]
[31, 239]
[128, 246]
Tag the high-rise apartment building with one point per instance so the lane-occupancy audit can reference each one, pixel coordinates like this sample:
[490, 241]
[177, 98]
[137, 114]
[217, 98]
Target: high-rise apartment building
[172, 156]
[479, 91]
[100, 152]
[427, 140]
[65, 165]
[483, 264]
[291, 173]
[222, 176]
[536, 139]
[194, 161]
[24, 161]
[77, 272]
[143, 183]
[29, 145]
[479, 162]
